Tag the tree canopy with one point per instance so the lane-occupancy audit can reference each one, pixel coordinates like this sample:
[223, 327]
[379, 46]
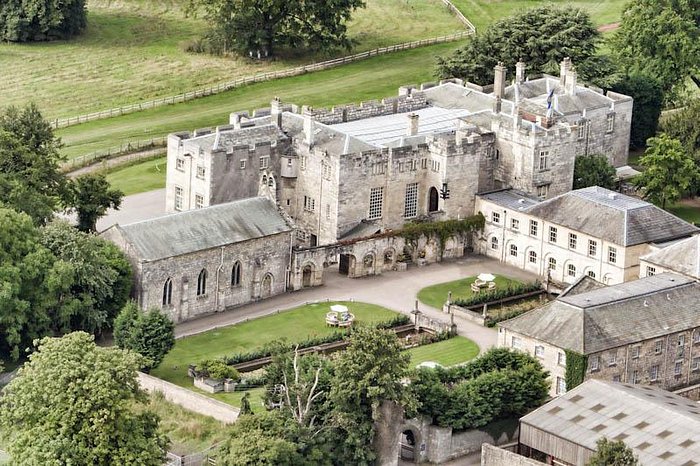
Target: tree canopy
[612, 453]
[151, 333]
[540, 36]
[91, 195]
[39, 20]
[593, 170]
[72, 403]
[648, 101]
[266, 25]
[684, 125]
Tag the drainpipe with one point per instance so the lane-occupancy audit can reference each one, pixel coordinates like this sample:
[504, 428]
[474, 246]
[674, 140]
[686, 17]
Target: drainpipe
[503, 237]
[290, 263]
[218, 272]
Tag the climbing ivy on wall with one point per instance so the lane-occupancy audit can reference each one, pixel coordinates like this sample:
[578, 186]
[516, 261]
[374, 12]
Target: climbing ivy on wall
[442, 230]
[576, 365]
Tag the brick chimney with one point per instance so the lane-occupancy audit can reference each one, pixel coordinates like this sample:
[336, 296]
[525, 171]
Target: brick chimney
[412, 124]
[520, 71]
[564, 70]
[499, 80]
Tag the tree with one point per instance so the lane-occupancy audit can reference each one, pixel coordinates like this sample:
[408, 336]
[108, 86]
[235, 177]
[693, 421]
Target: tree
[668, 171]
[593, 170]
[38, 20]
[648, 100]
[611, 453]
[660, 38]
[72, 403]
[540, 36]
[91, 195]
[369, 372]
[264, 25]
[151, 334]
[684, 125]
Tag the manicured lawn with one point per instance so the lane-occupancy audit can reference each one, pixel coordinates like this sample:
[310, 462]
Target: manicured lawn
[373, 78]
[134, 50]
[294, 325]
[141, 177]
[448, 352]
[436, 295]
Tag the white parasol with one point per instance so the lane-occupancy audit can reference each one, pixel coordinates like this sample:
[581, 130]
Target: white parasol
[339, 308]
[486, 277]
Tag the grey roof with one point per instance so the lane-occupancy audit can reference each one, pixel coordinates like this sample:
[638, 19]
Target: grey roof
[582, 284]
[363, 229]
[510, 199]
[612, 216]
[326, 137]
[682, 257]
[201, 229]
[615, 315]
[662, 428]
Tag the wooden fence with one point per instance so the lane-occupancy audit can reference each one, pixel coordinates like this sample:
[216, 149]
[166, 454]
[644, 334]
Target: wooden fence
[261, 77]
[129, 151]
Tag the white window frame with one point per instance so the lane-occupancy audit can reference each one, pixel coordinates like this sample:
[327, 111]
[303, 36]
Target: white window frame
[612, 255]
[242, 164]
[410, 209]
[543, 191]
[592, 247]
[561, 386]
[571, 270]
[513, 250]
[201, 171]
[658, 347]
[532, 257]
[591, 274]
[573, 240]
[595, 363]
[179, 198]
[309, 204]
[654, 373]
[581, 131]
[494, 243]
[651, 271]
[552, 263]
[678, 368]
[561, 358]
[612, 360]
[180, 164]
[376, 203]
[516, 342]
[264, 162]
[543, 161]
[635, 350]
[495, 217]
[552, 234]
[515, 223]
[198, 201]
[534, 227]
[539, 351]
[610, 123]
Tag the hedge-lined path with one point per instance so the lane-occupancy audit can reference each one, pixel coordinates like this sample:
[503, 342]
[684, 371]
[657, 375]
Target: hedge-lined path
[394, 290]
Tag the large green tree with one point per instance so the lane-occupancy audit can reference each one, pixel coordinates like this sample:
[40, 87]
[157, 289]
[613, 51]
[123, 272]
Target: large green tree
[72, 403]
[648, 100]
[684, 125]
[593, 170]
[91, 195]
[265, 25]
[669, 171]
[612, 453]
[660, 38]
[39, 20]
[151, 334]
[540, 36]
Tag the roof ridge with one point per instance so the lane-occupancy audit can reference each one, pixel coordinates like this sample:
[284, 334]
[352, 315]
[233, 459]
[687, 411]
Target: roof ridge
[631, 298]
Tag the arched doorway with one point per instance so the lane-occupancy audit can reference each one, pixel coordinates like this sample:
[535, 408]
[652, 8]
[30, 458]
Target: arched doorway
[306, 275]
[408, 442]
[347, 263]
[266, 286]
[433, 198]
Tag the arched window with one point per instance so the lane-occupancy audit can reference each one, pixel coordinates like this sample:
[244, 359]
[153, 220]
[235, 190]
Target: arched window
[236, 274]
[552, 263]
[591, 274]
[168, 292]
[202, 283]
[513, 250]
[571, 270]
[532, 257]
[494, 243]
[433, 199]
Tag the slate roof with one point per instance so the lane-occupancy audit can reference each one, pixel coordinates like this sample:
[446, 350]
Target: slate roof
[510, 199]
[662, 428]
[682, 257]
[612, 216]
[583, 284]
[202, 229]
[615, 315]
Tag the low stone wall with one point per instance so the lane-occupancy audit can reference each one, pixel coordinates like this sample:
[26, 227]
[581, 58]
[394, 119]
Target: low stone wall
[494, 456]
[692, 392]
[446, 445]
[188, 399]
[471, 316]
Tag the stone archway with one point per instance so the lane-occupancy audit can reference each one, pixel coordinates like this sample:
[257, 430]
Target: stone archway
[433, 199]
[389, 259]
[307, 274]
[266, 286]
[409, 444]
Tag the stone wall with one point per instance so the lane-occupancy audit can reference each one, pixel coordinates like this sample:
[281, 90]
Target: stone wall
[415, 100]
[494, 456]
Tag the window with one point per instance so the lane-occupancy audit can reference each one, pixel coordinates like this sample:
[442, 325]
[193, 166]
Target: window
[242, 164]
[681, 340]
[178, 198]
[202, 283]
[653, 373]
[592, 247]
[494, 243]
[198, 201]
[543, 160]
[591, 274]
[302, 163]
[611, 122]
[378, 168]
[616, 378]
[635, 352]
[515, 342]
[552, 234]
[582, 129]
[376, 201]
[651, 271]
[168, 292]
[635, 377]
[539, 351]
[236, 274]
[327, 170]
[410, 209]
[514, 223]
[264, 162]
[561, 359]
[612, 254]
[561, 385]
[532, 257]
[696, 336]
[595, 361]
[180, 164]
[678, 368]
[571, 270]
[495, 217]
[328, 211]
[612, 360]
[200, 172]
[543, 191]
[309, 204]
[552, 263]
[424, 163]
[658, 346]
[680, 349]
[435, 166]
[696, 364]
[533, 227]
[513, 250]
[573, 239]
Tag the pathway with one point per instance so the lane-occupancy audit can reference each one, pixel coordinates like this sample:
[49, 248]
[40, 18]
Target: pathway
[394, 290]
[135, 208]
[113, 162]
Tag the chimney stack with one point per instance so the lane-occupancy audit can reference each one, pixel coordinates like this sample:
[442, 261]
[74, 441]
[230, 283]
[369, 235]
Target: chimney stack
[276, 112]
[570, 86]
[499, 80]
[564, 70]
[412, 124]
[520, 71]
[308, 129]
[236, 120]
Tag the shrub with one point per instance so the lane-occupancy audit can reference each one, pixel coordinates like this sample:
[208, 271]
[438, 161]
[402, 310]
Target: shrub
[498, 294]
[216, 369]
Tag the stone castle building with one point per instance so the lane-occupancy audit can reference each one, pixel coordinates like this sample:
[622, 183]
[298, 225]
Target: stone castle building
[355, 170]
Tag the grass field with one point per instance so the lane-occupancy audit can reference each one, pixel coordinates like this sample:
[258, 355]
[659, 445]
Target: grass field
[436, 295]
[448, 352]
[688, 210]
[140, 177]
[133, 50]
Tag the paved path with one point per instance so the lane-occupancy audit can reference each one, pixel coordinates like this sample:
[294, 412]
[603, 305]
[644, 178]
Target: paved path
[135, 208]
[394, 290]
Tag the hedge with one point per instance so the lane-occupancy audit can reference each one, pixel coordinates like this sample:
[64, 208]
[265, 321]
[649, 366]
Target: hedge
[498, 294]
